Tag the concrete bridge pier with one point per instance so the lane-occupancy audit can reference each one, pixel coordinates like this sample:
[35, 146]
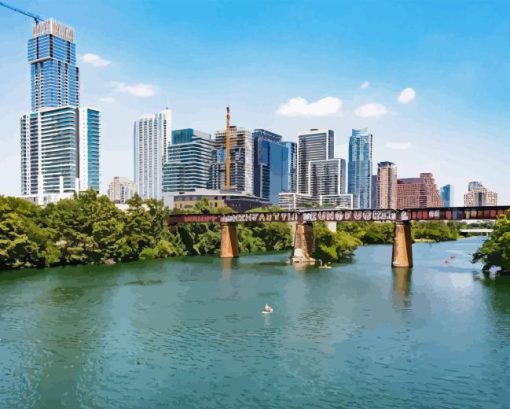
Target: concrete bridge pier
[229, 241]
[402, 254]
[303, 244]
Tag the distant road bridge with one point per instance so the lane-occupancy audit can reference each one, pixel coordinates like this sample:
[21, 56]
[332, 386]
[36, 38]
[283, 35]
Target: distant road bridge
[303, 219]
[485, 232]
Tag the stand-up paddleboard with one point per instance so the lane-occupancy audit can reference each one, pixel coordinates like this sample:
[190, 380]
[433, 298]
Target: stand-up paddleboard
[267, 309]
[267, 312]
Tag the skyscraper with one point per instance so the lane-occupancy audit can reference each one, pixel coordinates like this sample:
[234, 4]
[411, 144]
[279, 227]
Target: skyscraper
[320, 176]
[270, 165]
[478, 195]
[241, 161]
[418, 192]
[151, 134]
[59, 140]
[53, 71]
[447, 195]
[386, 185]
[315, 145]
[360, 167]
[292, 162]
[188, 161]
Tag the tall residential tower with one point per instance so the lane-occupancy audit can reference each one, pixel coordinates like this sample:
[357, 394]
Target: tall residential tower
[360, 167]
[59, 139]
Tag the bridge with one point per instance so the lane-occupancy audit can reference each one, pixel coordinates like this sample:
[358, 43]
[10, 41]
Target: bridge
[302, 251]
[485, 232]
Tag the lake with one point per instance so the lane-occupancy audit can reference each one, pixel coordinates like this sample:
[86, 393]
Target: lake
[189, 333]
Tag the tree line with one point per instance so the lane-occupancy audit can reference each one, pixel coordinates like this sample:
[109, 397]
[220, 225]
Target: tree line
[90, 229]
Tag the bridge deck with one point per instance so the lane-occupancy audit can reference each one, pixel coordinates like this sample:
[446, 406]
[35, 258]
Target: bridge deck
[440, 213]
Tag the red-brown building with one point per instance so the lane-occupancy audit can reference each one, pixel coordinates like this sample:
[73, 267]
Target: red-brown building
[418, 192]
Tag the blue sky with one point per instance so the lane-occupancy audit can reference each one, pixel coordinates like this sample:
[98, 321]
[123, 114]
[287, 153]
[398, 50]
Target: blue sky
[347, 62]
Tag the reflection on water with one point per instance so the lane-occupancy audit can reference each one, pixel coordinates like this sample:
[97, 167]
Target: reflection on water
[402, 285]
[189, 333]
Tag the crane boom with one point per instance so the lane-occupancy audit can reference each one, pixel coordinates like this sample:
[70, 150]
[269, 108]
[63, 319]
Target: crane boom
[36, 18]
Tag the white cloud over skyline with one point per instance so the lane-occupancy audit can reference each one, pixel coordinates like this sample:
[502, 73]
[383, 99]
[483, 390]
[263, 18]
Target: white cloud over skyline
[365, 85]
[301, 107]
[94, 60]
[372, 110]
[406, 95]
[137, 90]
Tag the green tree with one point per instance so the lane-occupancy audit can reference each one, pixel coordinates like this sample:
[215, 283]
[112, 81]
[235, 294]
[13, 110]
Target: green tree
[333, 246]
[495, 251]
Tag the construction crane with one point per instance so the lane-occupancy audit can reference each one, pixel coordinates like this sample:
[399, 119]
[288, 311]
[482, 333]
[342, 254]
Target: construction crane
[227, 151]
[36, 18]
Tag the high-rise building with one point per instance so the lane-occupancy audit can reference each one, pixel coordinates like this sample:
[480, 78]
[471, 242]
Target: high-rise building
[121, 190]
[373, 192]
[188, 161]
[292, 162]
[447, 195]
[478, 195]
[360, 167]
[418, 192]
[321, 177]
[386, 185]
[59, 140]
[53, 71]
[152, 134]
[270, 165]
[314, 145]
[241, 161]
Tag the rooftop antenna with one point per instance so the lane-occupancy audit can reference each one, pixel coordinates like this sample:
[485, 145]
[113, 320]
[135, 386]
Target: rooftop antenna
[36, 18]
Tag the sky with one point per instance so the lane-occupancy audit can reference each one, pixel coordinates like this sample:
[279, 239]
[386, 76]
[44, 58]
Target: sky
[429, 79]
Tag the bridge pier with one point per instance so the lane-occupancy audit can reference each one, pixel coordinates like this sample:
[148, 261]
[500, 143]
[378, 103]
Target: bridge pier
[303, 244]
[402, 254]
[229, 242]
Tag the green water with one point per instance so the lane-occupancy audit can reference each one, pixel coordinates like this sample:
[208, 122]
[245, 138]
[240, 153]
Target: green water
[189, 333]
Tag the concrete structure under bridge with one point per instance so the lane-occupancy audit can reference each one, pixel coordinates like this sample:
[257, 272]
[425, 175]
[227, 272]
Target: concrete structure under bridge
[302, 251]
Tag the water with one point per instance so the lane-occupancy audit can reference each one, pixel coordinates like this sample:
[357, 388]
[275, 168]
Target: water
[189, 333]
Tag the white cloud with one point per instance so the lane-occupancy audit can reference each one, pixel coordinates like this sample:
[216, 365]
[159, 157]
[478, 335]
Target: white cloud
[399, 146]
[94, 60]
[365, 85]
[138, 90]
[371, 110]
[108, 100]
[406, 95]
[301, 107]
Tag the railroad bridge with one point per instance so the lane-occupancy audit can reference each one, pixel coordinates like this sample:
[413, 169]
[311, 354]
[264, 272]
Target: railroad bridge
[402, 255]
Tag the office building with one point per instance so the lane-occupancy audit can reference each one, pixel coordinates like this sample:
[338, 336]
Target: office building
[270, 165]
[386, 185]
[121, 190]
[478, 195]
[241, 161]
[59, 140]
[151, 136]
[292, 162]
[373, 192]
[188, 161]
[447, 195]
[360, 167]
[418, 192]
[321, 178]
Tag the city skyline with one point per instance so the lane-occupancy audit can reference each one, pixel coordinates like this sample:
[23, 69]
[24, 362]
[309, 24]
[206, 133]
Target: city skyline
[422, 125]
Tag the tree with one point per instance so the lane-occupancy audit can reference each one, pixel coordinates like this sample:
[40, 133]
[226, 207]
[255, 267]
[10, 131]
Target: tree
[333, 246]
[495, 251]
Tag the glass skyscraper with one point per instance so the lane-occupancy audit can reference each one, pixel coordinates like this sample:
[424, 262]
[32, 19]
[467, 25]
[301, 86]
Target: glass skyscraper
[189, 158]
[292, 162]
[360, 167]
[53, 71]
[59, 140]
[270, 165]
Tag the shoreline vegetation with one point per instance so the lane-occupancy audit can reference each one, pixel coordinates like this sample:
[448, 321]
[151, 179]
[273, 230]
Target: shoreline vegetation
[90, 229]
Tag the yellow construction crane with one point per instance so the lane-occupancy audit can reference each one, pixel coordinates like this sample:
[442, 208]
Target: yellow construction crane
[227, 151]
